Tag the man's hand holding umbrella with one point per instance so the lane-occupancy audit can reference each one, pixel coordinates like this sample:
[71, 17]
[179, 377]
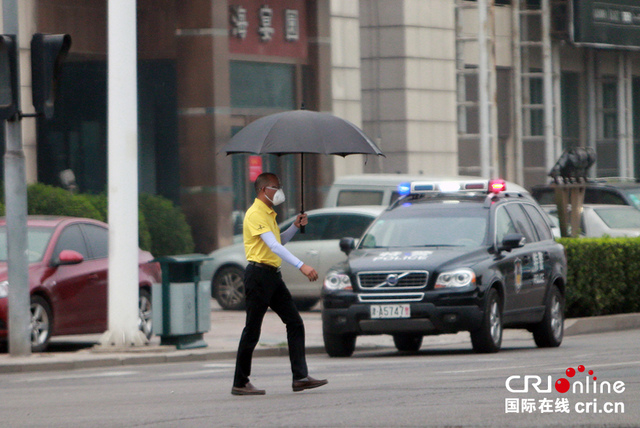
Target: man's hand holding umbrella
[308, 271]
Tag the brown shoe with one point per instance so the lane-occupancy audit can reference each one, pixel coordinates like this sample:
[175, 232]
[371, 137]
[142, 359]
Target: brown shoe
[307, 383]
[248, 389]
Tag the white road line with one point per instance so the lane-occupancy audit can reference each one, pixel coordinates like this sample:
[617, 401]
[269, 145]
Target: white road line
[80, 376]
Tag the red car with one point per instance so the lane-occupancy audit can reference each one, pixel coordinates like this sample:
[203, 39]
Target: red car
[68, 278]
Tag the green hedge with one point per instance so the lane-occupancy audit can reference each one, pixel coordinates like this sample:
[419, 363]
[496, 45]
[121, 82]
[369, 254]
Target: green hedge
[603, 276]
[163, 229]
[170, 232]
[48, 200]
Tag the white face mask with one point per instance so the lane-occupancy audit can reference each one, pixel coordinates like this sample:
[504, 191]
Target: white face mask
[278, 197]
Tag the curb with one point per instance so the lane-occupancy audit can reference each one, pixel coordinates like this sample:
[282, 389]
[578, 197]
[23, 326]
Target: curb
[167, 354]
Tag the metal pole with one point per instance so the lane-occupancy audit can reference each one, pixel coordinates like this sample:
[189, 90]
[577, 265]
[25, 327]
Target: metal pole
[494, 167]
[622, 124]
[461, 81]
[483, 91]
[592, 130]
[123, 177]
[631, 167]
[547, 60]
[15, 184]
[517, 93]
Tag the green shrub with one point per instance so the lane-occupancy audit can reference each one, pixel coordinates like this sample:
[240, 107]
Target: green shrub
[170, 232]
[49, 200]
[603, 276]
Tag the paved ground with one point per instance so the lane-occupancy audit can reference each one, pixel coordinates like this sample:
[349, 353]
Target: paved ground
[71, 352]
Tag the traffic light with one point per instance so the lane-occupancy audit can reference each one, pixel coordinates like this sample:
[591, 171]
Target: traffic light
[47, 54]
[8, 77]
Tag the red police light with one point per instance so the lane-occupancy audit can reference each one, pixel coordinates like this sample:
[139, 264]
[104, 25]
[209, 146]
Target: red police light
[497, 186]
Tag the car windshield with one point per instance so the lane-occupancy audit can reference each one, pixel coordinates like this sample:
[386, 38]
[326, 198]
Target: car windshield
[438, 227]
[37, 240]
[619, 218]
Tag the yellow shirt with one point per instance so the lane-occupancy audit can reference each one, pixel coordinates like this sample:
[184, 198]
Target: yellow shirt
[260, 219]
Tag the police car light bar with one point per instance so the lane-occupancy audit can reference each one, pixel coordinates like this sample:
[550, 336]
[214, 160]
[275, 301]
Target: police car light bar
[442, 187]
[497, 186]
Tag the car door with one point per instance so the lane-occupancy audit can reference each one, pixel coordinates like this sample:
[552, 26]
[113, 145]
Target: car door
[509, 263]
[97, 239]
[321, 249]
[72, 287]
[534, 255]
[304, 247]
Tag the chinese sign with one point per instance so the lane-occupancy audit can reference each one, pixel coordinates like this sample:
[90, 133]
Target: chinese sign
[258, 27]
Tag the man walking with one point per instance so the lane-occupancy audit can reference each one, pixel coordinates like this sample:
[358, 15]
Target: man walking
[264, 287]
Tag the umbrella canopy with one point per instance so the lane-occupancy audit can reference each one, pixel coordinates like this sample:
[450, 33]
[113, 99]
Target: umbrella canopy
[301, 131]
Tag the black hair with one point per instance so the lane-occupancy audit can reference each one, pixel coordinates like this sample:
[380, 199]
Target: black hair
[263, 180]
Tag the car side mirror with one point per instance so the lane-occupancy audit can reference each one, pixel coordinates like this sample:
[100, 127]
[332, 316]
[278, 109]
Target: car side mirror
[68, 257]
[347, 245]
[511, 241]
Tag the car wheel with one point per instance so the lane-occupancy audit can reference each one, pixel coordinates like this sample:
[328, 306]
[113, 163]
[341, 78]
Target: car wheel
[228, 288]
[305, 304]
[407, 342]
[145, 320]
[339, 345]
[41, 322]
[550, 331]
[488, 337]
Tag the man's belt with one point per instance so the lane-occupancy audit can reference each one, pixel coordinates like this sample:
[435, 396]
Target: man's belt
[265, 266]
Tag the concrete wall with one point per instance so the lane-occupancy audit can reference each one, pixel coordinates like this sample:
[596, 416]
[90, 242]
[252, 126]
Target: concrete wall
[408, 84]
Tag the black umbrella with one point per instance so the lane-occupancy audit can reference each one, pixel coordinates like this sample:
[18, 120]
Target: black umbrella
[302, 131]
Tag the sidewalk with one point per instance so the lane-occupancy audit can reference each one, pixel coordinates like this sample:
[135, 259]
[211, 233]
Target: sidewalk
[226, 327]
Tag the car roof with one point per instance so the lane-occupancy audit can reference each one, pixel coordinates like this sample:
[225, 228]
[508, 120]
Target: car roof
[52, 221]
[392, 180]
[351, 209]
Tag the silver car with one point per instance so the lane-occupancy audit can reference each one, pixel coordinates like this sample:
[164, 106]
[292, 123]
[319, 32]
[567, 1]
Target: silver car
[604, 220]
[318, 247]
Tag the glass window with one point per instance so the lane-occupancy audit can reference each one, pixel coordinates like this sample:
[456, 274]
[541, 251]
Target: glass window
[541, 225]
[314, 230]
[603, 196]
[37, 240]
[347, 225]
[98, 240]
[258, 85]
[71, 239]
[504, 225]
[441, 227]
[359, 197]
[522, 222]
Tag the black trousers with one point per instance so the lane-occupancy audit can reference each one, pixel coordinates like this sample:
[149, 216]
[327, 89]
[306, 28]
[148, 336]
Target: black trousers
[264, 288]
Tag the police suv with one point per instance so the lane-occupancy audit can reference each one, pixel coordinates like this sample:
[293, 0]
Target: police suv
[444, 258]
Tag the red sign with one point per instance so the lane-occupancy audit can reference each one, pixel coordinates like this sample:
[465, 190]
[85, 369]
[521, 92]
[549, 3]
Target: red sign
[276, 29]
[255, 167]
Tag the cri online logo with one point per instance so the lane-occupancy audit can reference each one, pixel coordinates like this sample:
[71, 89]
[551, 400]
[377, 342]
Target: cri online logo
[564, 385]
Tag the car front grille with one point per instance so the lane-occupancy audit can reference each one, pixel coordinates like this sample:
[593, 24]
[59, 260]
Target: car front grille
[397, 280]
[390, 297]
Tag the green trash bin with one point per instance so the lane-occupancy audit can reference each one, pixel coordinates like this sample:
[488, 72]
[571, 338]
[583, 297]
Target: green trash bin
[182, 303]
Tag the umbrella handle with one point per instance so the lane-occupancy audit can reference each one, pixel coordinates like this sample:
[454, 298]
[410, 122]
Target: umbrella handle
[302, 228]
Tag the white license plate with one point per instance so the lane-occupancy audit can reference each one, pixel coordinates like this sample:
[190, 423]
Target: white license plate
[390, 311]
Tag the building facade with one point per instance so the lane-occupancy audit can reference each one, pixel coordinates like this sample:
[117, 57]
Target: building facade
[445, 87]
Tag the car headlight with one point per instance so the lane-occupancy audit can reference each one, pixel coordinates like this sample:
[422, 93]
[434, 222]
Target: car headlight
[4, 289]
[337, 281]
[456, 278]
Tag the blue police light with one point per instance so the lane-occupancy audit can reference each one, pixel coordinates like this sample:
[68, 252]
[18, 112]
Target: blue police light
[404, 189]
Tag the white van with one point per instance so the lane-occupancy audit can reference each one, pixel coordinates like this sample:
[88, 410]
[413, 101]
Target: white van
[382, 189]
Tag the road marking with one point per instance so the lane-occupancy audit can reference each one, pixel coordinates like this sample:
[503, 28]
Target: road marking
[81, 376]
[197, 372]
